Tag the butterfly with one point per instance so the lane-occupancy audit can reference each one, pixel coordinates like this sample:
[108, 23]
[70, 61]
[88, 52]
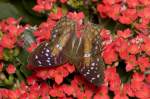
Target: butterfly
[50, 53]
[65, 46]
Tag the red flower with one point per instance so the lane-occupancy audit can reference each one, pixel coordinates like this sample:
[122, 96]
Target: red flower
[58, 77]
[111, 2]
[132, 3]
[56, 15]
[121, 96]
[42, 74]
[31, 80]
[56, 91]
[138, 77]
[45, 89]
[43, 5]
[129, 89]
[87, 94]
[145, 2]
[115, 83]
[44, 31]
[133, 49]
[130, 64]
[63, 1]
[110, 74]
[7, 41]
[69, 90]
[143, 93]
[103, 10]
[125, 34]
[78, 17]
[148, 79]
[11, 69]
[38, 8]
[146, 47]
[143, 63]
[124, 54]
[12, 21]
[33, 95]
[144, 13]
[59, 74]
[102, 93]
[1, 67]
[114, 12]
[128, 16]
[70, 68]
[32, 47]
[122, 49]
[109, 55]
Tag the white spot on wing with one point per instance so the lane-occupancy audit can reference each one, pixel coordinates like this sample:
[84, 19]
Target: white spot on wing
[46, 54]
[47, 50]
[39, 62]
[98, 75]
[87, 73]
[36, 57]
[93, 78]
[49, 64]
[48, 61]
[93, 64]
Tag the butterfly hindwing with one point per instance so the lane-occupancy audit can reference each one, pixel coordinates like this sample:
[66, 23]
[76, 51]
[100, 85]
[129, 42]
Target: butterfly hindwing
[42, 56]
[94, 73]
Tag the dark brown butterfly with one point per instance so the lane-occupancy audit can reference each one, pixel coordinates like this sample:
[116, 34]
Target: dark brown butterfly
[51, 53]
[83, 52]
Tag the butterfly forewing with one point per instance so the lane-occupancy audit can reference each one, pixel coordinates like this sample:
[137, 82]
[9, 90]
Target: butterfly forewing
[52, 53]
[97, 45]
[63, 26]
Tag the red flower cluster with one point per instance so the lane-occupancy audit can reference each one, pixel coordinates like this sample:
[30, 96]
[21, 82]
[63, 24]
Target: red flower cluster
[58, 73]
[43, 5]
[10, 29]
[130, 45]
[135, 12]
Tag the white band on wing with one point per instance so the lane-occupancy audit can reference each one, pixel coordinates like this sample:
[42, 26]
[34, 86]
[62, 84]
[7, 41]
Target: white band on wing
[87, 54]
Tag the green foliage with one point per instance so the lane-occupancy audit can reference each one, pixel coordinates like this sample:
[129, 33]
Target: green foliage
[20, 8]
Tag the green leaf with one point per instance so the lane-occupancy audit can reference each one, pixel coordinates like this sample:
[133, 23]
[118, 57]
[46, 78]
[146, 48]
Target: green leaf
[8, 56]
[8, 10]
[28, 37]
[22, 58]
[19, 76]
[28, 5]
[26, 72]
[24, 7]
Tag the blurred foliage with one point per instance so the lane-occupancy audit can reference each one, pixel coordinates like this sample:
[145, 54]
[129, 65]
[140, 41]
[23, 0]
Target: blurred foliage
[20, 8]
